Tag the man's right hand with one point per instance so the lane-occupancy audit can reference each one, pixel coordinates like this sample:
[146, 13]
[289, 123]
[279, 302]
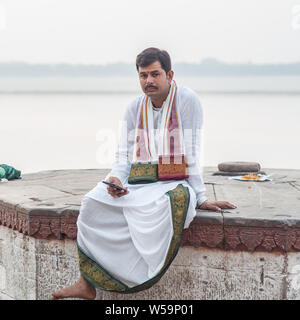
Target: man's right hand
[114, 192]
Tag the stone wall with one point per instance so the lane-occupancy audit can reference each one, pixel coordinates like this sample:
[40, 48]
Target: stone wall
[252, 252]
[31, 268]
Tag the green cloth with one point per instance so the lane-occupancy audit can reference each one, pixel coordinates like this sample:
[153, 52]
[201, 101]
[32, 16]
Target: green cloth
[10, 172]
[2, 173]
[143, 173]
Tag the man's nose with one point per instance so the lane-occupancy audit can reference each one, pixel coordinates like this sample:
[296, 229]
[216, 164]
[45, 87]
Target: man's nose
[149, 79]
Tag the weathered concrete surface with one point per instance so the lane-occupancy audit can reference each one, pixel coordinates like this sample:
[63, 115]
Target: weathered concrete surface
[252, 252]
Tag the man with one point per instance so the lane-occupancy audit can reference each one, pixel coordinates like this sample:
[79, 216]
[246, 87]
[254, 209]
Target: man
[128, 238]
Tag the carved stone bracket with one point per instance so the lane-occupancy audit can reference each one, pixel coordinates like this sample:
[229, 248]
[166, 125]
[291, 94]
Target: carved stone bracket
[51, 225]
[39, 224]
[198, 235]
[241, 238]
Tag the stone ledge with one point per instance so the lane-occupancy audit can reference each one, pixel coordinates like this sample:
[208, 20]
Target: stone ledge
[39, 223]
[45, 205]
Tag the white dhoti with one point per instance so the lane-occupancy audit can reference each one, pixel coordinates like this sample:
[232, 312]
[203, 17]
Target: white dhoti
[124, 242]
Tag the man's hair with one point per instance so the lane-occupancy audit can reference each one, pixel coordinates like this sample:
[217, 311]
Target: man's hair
[150, 55]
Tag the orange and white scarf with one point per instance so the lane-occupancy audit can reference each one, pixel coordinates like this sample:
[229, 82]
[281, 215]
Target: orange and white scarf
[170, 131]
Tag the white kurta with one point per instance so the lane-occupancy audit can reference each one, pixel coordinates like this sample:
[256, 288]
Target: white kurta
[130, 236]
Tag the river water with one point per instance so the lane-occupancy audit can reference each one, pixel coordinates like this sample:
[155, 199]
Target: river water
[70, 123]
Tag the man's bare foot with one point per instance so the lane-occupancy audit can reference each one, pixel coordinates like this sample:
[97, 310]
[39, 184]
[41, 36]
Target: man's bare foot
[81, 289]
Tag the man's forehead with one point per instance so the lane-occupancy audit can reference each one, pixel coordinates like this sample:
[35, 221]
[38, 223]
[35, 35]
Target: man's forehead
[155, 66]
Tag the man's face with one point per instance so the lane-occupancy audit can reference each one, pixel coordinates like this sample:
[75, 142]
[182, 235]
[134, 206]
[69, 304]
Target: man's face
[154, 81]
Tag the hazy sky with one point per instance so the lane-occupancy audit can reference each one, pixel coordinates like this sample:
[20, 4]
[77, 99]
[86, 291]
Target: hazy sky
[98, 32]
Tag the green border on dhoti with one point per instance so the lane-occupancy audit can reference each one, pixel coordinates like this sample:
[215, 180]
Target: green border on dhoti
[96, 275]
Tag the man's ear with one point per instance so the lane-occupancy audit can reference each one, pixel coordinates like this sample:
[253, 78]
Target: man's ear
[170, 75]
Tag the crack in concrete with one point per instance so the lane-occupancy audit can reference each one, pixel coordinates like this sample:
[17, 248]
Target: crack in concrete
[285, 282]
[223, 229]
[215, 195]
[262, 276]
[5, 295]
[285, 181]
[245, 270]
[51, 187]
[35, 199]
[294, 185]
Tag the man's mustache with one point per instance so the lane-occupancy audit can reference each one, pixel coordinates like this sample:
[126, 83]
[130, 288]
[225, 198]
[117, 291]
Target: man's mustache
[150, 86]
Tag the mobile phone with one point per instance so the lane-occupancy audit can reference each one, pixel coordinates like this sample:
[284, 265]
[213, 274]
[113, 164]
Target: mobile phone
[114, 185]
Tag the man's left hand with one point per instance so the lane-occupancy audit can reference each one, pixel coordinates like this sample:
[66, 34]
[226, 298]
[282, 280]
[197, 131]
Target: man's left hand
[216, 205]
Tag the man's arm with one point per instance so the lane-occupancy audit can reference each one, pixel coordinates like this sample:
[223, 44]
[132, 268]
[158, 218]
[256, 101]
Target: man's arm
[192, 120]
[121, 167]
